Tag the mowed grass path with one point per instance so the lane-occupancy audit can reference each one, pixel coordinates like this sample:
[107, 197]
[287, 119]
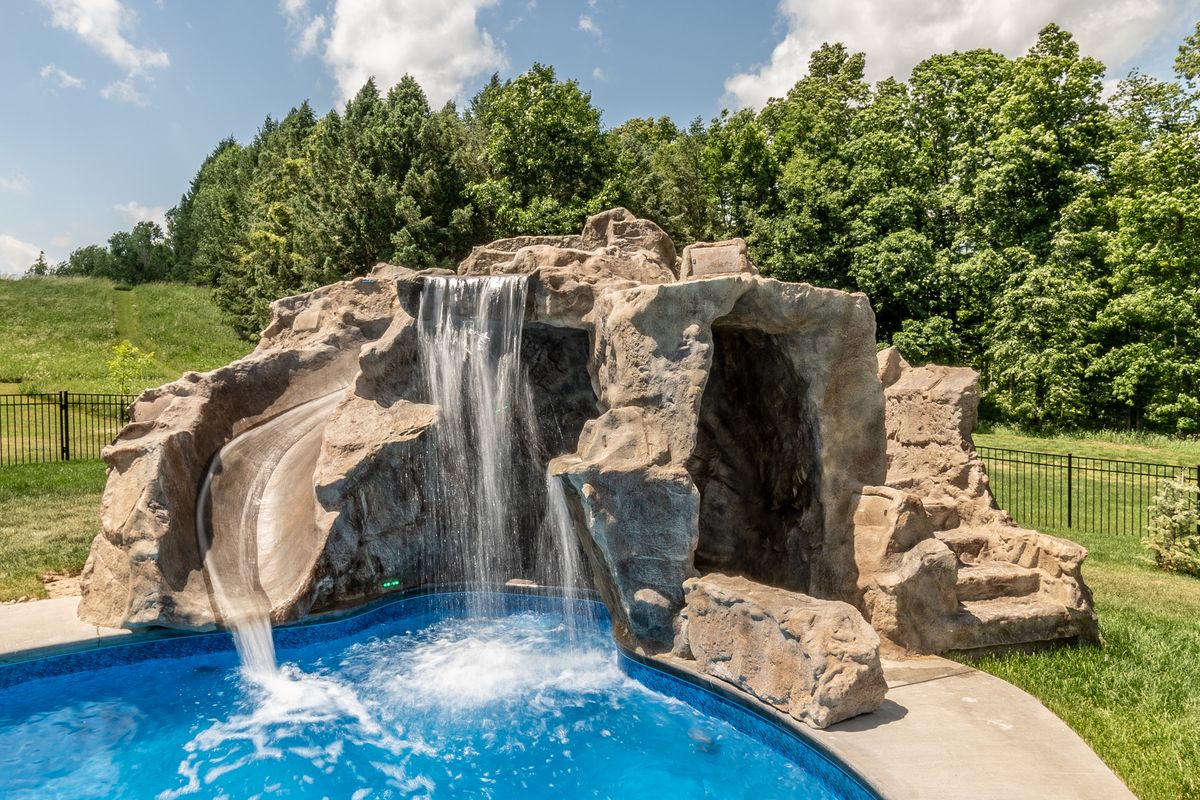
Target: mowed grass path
[56, 333]
[1136, 698]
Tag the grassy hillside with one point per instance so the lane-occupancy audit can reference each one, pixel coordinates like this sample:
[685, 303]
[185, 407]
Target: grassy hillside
[1151, 448]
[56, 333]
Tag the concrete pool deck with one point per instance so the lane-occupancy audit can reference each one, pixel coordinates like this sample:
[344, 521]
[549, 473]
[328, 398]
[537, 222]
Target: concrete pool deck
[945, 732]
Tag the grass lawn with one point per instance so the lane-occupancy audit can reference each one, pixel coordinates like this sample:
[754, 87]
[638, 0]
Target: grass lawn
[49, 514]
[57, 332]
[1150, 448]
[1136, 698]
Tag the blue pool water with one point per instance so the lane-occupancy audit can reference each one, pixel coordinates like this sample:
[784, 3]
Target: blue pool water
[414, 700]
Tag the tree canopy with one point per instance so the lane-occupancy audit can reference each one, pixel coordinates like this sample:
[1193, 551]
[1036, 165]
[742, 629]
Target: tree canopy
[1000, 212]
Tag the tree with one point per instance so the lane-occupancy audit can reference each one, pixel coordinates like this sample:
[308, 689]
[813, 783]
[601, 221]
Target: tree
[39, 268]
[140, 255]
[658, 172]
[91, 261]
[542, 155]
[128, 366]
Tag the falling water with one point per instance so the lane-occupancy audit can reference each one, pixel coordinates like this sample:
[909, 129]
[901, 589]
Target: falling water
[243, 607]
[470, 347]
[240, 525]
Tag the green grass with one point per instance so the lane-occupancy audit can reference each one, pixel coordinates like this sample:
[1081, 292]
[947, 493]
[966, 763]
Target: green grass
[49, 514]
[57, 332]
[1151, 448]
[1136, 698]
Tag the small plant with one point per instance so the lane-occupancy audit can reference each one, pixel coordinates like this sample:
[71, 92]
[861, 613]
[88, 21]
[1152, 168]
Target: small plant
[128, 366]
[36, 376]
[1173, 533]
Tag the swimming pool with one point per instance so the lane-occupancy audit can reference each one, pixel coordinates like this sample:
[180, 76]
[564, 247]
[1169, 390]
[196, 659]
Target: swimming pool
[415, 698]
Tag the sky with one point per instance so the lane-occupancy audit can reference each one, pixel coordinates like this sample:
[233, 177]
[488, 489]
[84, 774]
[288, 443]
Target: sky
[108, 107]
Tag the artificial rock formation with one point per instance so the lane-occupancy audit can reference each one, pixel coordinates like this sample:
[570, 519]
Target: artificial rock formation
[702, 421]
[817, 660]
[1011, 586]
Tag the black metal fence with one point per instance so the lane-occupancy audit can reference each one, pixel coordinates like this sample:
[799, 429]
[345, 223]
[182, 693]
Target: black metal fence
[1049, 491]
[36, 428]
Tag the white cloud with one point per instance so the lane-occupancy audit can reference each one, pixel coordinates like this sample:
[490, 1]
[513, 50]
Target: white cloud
[16, 256]
[599, 75]
[310, 36]
[64, 79]
[896, 34]
[124, 91]
[140, 213]
[14, 183]
[588, 25]
[439, 43]
[293, 9]
[306, 27]
[102, 25]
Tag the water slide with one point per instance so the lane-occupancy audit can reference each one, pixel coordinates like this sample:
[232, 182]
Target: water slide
[256, 512]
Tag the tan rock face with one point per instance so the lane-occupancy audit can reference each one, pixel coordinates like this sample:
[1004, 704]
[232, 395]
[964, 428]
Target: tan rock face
[705, 259]
[1012, 586]
[145, 567]
[701, 419]
[817, 660]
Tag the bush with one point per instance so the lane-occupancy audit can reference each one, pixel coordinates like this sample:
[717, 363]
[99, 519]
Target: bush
[1173, 533]
[128, 366]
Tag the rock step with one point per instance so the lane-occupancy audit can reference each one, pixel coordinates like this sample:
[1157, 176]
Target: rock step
[991, 579]
[967, 543]
[1006, 622]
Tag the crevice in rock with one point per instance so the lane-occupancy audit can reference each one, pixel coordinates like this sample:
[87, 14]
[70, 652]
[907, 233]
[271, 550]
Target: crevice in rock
[756, 464]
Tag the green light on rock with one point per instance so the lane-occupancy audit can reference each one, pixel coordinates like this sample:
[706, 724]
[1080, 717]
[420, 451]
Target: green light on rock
[390, 584]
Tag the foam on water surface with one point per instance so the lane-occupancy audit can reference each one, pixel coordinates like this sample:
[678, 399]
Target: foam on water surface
[432, 706]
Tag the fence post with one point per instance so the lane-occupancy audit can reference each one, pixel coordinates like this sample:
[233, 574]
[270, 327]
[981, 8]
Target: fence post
[1070, 492]
[64, 426]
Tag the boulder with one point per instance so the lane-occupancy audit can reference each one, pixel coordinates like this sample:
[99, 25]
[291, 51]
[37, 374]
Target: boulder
[700, 419]
[705, 259]
[907, 576]
[145, 567]
[816, 660]
[688, 468]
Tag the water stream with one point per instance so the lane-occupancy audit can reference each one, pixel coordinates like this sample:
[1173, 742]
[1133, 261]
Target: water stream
[470, 334]
[469, 341]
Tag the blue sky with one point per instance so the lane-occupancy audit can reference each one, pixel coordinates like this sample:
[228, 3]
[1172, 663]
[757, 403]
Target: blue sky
[110, 105]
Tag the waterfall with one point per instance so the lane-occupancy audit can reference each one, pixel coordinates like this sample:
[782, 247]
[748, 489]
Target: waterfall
[486, 439]
[242, 604]
[482, 460]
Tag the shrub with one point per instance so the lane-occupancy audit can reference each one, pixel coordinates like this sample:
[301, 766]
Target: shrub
[1173, 533]
[127, 366]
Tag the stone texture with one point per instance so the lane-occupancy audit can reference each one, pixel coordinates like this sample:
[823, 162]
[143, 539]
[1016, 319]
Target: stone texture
[648, 503]
[705, 259]
[145, 567]
[817, 660]
[1014, 587]
[732, 424]
[906, 575]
